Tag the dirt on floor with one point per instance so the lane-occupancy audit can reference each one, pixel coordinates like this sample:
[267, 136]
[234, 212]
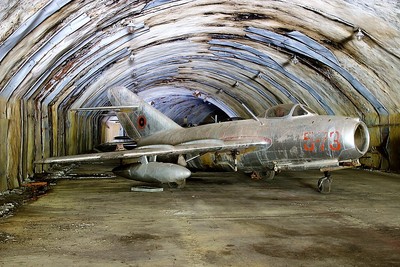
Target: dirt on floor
[218, 219]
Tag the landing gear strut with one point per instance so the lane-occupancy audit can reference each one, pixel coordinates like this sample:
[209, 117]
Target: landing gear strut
[324, 183]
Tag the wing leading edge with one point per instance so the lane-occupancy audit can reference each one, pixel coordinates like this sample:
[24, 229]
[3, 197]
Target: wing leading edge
[158, 150]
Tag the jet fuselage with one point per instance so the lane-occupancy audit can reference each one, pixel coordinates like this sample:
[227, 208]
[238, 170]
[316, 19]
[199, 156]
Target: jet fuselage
[292, 142]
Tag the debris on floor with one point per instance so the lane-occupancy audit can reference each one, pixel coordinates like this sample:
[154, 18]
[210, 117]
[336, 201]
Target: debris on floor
[144, 188]
[10, 200]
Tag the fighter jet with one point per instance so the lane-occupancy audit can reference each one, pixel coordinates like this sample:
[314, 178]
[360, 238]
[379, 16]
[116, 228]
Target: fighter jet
[287, 137]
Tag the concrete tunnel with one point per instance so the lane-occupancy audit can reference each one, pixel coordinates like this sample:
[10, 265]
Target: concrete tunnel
[193, 59]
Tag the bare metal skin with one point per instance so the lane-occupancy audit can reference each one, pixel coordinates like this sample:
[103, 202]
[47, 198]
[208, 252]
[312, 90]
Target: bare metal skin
[288, 137]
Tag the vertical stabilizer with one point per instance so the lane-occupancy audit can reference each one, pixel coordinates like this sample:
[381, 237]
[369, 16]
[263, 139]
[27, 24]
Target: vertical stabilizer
[143, 121]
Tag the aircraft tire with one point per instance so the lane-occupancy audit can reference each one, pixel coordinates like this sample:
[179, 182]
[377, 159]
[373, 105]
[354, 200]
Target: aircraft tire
[324, 185]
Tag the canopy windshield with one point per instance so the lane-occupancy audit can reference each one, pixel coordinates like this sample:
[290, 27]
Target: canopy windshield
[284, 110]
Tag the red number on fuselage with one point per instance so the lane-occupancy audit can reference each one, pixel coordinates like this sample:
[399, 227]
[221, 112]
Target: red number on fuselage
[311, 138]
[310, 145]
[335, 145]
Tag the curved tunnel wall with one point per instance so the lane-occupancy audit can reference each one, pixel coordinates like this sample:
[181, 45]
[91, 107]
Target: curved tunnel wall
[338, 57]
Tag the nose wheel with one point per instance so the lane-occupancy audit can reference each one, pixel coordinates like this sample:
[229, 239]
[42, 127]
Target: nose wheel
[324, 183]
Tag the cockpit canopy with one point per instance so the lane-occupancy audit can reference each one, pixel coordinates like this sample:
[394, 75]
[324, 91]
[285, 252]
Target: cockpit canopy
[293, 110]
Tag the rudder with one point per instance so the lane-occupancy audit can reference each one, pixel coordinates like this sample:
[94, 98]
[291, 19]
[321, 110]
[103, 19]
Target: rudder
[142, 121]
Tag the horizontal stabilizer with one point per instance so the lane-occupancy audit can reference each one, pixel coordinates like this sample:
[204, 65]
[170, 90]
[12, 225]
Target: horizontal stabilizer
[112, 108]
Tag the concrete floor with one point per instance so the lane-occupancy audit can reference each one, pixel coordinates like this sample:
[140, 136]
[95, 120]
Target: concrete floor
[220, 219]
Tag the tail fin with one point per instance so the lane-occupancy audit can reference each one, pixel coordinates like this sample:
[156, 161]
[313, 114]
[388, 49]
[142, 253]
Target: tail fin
[143, 121]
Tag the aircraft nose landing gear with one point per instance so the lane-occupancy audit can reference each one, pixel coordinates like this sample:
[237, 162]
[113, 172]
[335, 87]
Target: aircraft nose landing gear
[324, 183]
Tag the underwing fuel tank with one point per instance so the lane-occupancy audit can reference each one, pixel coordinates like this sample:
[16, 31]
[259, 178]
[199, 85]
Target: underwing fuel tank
[153, 172]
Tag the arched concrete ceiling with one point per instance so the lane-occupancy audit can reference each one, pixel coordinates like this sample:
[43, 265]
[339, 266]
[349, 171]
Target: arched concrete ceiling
[66, 53]
[198, 58]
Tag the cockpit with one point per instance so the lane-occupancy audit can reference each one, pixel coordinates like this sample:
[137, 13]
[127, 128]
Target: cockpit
[293, 110]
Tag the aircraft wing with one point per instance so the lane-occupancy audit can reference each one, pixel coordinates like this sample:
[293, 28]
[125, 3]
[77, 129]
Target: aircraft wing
[199, 146]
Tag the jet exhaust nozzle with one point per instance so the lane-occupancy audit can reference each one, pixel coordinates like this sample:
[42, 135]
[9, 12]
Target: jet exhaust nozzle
[153, 172]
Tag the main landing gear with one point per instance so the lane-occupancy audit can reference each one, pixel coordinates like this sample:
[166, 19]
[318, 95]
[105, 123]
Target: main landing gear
[266, 175]
[178, 184]
[324, 183]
